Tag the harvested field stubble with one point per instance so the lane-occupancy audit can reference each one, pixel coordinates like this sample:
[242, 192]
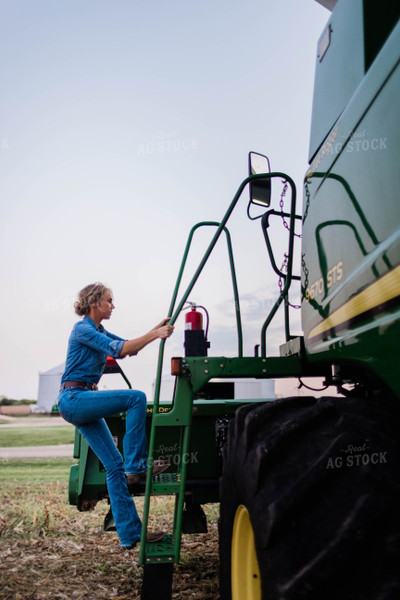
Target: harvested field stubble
[49, 550]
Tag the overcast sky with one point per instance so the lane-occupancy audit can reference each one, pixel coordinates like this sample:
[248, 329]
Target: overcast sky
[123, 123]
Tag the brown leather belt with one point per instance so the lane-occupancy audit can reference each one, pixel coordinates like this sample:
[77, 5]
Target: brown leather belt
[89, 386]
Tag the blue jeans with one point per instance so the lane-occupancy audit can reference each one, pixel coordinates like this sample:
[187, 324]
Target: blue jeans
[86, 410]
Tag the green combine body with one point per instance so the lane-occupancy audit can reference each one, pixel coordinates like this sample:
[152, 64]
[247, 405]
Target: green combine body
[351, 222]
[308, 486]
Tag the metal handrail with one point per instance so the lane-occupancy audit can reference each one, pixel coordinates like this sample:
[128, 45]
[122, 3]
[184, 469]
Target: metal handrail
[197, 274]
[222, 227]
[214, 240]
[190, 288]
[283, 296]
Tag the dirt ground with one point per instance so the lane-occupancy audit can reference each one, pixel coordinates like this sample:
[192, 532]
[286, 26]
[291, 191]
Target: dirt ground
[49, 551]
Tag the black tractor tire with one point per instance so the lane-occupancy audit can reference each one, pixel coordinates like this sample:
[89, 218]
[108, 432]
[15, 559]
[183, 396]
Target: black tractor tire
[320, 481]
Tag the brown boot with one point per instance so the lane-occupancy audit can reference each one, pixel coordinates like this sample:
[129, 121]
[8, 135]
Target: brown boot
[154, 536]
[138, 477]
[151, 538]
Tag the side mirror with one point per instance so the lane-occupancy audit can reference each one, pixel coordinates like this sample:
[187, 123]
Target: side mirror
[260, 190]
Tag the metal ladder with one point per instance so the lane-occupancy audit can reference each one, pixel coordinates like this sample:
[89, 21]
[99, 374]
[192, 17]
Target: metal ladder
[178, 418]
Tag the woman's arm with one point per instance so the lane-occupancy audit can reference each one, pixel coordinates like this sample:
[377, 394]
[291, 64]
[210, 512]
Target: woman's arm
[163, 322]
[160, 331]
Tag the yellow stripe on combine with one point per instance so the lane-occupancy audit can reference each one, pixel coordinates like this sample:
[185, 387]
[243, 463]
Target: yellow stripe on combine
[379, 292]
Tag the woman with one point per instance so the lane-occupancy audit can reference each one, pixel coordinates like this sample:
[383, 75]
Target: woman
[81, 404]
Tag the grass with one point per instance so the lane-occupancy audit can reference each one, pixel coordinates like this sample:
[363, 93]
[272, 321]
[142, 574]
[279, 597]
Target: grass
[49, 550]
[37, 436]
[35, 471]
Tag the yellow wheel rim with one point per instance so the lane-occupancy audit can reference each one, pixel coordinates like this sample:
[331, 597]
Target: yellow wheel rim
[245, 573]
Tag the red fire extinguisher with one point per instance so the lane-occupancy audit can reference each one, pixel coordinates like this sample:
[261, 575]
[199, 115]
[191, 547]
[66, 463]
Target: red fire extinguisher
[196, 343]
[193, 319]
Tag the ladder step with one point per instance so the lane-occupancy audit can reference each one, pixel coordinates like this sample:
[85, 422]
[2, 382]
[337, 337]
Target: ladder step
[162, 551]
[166, 483]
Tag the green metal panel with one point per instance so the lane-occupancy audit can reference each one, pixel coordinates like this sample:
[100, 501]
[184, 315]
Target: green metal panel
[339, 70]
[202, 458]
[350, 312]
[87, 478]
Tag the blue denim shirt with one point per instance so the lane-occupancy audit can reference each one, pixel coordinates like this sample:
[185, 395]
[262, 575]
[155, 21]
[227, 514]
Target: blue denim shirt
[88, 348]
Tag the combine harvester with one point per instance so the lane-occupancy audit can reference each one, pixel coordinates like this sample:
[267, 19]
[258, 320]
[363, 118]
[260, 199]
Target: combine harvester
[308, 486]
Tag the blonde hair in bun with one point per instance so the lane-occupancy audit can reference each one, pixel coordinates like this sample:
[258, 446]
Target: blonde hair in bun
[89, 295]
